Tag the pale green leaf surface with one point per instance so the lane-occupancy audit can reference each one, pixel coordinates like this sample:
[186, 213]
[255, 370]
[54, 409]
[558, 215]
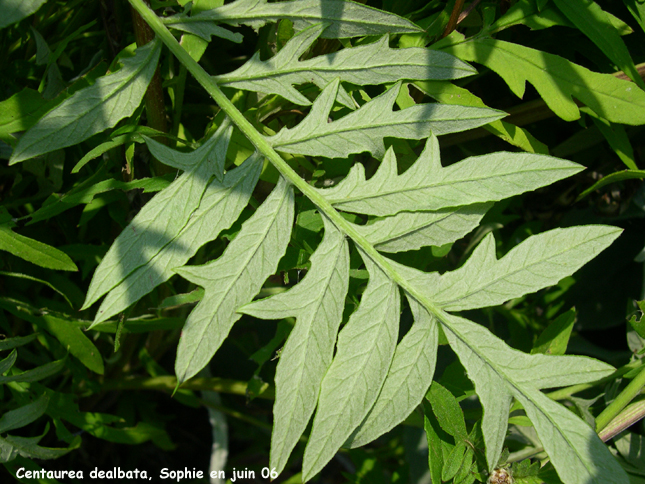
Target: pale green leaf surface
[23, 416]
[540, 261]
[346, 19]
[413, 230]
[12, 11]
[407, 381]
[234, 279]
[596, 25]
[500, 372]
[365, 128]
[364, 353]
[163, 217]
[426, 185]
[557, 80]
[447, 93]
[317, 302]
[370, 64]
[34, 251]
[93, 109]
[220, 206]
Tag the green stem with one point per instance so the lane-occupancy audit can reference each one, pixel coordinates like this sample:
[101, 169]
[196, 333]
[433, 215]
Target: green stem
[628, 417]
[168, 383]
[264, 147]
[621, 401]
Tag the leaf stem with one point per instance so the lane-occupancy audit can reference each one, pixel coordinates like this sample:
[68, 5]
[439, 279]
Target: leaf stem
[454, 18]
[621, 401]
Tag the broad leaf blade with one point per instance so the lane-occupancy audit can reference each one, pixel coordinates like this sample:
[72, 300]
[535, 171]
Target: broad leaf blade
[557, 80]
[365, 128]
[413, 230]
[93, 109]
[369, 64]
[351, 385]
[538, 262]
[232, 280]
[408, 379]
[428, 186]
[346, 19]
[318, 303]
[219, 208]
[163, 217]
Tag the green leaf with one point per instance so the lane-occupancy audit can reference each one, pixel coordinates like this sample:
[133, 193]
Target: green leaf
[436, 443]
[365, 128]
[16, 342]
[161, 219]
[346, 19]
[317, 302]
[232, 280]
[637, 9]
[539, 261]
[448, 412]
[428, 186]
[407, 380]
[69, 334]
[11, 446]
[500, 373]
[85, 193]
[93, 109]
[616, 136]
[413, 230]
[23, 416]
[205, 30]
[17, 275]
[39, 373]
[352, 384]
[554, 339]
[613, 178]
[595, 24]
[220, 206]
[12, 11]
[557, 80]
[371, 64]
[447, 93]
[34, 251]
[8, 362]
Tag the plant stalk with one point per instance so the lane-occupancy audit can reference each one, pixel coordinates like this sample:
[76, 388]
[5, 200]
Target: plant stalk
[621, 401]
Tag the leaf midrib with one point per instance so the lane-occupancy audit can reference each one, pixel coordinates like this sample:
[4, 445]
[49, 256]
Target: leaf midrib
[383, 194]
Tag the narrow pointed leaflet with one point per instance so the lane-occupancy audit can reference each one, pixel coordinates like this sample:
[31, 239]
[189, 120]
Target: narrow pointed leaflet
[365, 128]
[317, 302]
[161, 219]
[407, 380]
[93, 109]
[351, 385]
[427, 185]
[233, 280]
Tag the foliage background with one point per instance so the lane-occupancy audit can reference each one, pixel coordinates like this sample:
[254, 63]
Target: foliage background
[65, 46]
